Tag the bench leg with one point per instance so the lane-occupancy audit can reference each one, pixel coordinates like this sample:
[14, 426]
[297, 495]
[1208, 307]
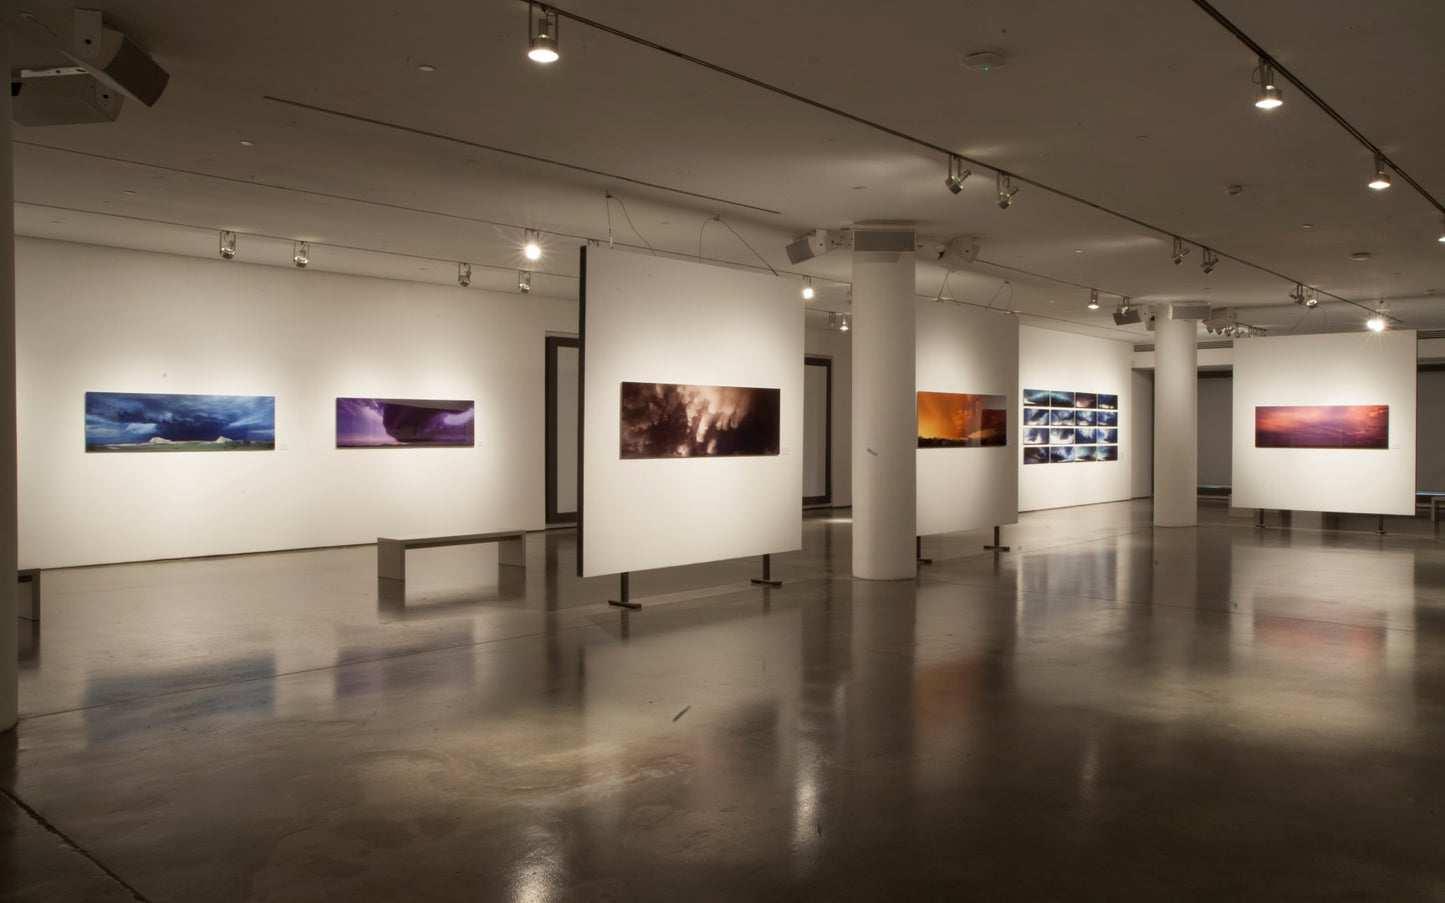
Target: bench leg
[390, 560]
[512, 553]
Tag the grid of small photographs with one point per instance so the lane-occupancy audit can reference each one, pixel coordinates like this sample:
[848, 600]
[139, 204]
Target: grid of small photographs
[1070, 427]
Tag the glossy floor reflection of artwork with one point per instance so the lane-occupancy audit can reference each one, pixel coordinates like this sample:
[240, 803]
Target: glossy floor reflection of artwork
[1109, 712]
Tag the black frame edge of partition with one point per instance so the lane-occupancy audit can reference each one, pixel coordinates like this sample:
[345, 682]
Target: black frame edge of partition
[554, 516]
[826, 498]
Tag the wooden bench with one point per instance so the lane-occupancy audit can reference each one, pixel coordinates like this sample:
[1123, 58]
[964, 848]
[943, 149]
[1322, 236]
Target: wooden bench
[391, 553]
[28, 603]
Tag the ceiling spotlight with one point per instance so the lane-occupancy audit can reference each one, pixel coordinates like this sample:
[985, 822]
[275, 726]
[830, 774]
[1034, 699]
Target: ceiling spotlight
[1376, 323]
[1210, 261]
[1093, 299]
[1442, 233]
[807, 289]
[1297, 295]
[228, 245]
[1312, 299]
[542, 33]
[1006, 191]
[301, 253]
[956, 173]
[1269, 94]
[1179, 251]
[832, 319]
[532, 250]
[464, 274]
[1382, 178]
[524, 281]
[845, 319]
[1126, 314]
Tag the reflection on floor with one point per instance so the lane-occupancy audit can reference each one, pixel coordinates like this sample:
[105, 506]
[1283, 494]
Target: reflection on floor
[1108, 712]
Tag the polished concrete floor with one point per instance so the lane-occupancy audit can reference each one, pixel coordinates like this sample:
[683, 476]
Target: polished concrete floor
[1107, 712]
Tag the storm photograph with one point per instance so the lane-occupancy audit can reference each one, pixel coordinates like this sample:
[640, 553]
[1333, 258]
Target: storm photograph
[667, 420]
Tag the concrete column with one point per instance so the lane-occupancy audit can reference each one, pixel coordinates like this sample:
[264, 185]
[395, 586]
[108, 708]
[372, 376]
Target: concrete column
[1176, 422]
[9, 698]
[885, 408]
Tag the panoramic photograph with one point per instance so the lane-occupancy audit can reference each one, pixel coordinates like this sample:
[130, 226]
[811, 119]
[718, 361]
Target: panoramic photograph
[666, 420]
[402, 422]
[140, 422]
[1322, 426]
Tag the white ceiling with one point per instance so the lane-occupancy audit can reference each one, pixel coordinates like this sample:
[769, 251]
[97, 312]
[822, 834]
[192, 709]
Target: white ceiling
[1142, 107]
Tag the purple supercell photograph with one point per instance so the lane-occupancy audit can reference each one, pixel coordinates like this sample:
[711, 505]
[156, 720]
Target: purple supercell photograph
[398, 422]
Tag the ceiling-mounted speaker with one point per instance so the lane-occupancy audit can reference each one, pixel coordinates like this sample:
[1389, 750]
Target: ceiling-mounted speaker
[1188, 311]
[64, 100]
[806, 247]
[963, 249]
[114, 58]
[884, 240]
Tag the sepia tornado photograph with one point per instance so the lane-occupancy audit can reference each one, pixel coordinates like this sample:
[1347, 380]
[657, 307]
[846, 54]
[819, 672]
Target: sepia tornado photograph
[666, 420]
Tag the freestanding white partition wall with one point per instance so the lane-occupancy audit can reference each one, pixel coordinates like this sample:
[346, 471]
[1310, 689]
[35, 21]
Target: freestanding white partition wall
[963, 350]
[1053, 360]
[1343, 369]
[658, 320]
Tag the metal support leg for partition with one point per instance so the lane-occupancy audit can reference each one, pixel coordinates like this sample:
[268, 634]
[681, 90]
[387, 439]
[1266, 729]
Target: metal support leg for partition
[1381, 529]
[625, 601]
[998, 545]
[767, 578]
[1260, 521]
[918, 551]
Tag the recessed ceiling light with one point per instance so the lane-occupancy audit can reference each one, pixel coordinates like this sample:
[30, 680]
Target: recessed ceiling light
[247, 142]
[1078, 250]
[128, 192]
[426, 68]
[1359, 255]
[860, 187]
[1306, 225]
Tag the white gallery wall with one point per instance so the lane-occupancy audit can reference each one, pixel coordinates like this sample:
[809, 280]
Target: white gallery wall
[105, 319]
[658, 320]
[1076, 363]
[968, 351]
[1338, 369]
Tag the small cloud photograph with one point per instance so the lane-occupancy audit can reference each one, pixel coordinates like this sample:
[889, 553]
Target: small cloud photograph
[667, 420]
[1061, 437]
[1036, 436]
[1036, 416]
[1037, 397]
[1061, 454]
[1059, 399]
[1108, 402]
[1085, 399]
[1036, 455]
[1062, 417]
